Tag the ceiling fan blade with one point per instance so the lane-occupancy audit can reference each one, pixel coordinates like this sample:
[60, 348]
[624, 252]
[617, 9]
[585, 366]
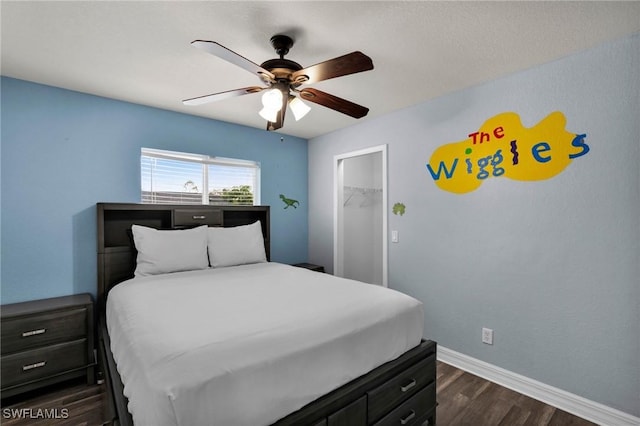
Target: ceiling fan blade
[230, 56]
[350, 63]
[222, 95]
[333, 102]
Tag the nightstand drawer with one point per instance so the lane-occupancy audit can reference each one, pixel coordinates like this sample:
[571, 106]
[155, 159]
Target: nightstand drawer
[414, 410]
[36, 364]
[197, 217]
[21, 333]
[393, 392]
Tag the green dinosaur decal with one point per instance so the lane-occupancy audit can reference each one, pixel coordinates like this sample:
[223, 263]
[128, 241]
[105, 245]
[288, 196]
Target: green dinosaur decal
[289, 202]
[398, 208]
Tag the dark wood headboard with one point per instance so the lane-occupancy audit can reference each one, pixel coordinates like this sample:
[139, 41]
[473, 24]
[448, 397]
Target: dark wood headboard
[117, 253]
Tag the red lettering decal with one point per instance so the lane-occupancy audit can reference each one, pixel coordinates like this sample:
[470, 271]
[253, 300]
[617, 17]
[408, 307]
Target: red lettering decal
[473, 136]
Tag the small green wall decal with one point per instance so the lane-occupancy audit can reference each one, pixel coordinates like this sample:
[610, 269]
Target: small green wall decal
[289, 202]
[398, 209]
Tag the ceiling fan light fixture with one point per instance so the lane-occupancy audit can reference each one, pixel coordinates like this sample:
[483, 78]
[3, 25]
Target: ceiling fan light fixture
[269, 114]
[272, 103]
[272, 99]
[299, 108]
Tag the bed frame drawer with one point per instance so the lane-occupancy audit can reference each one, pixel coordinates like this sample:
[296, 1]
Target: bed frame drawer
[391, 393]
[196, 217]
[414, 411]
[19, 334]
[419, 360]
[39, 363]
[354, 414]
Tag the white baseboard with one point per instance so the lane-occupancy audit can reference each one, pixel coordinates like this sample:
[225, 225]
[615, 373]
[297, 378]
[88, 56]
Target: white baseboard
[574, 404]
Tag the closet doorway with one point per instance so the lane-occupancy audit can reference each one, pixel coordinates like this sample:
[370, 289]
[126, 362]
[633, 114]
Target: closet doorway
[360, 215]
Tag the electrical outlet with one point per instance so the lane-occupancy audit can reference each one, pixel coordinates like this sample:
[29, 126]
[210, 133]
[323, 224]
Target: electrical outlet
[487, 336]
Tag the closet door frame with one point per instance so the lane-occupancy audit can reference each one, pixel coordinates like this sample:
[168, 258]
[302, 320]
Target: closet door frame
[338, 208]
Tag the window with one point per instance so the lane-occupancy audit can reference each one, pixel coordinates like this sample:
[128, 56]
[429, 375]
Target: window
[169, 177]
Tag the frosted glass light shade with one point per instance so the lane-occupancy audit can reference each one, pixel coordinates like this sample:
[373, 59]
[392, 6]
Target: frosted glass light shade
[272, 102]
[299, 108]
[272, 99]
[269, 114]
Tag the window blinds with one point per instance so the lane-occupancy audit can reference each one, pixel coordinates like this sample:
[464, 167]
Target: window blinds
[169, 177]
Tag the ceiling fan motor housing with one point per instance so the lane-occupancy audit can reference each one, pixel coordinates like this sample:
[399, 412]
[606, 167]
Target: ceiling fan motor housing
[273, 65]
[281, 68]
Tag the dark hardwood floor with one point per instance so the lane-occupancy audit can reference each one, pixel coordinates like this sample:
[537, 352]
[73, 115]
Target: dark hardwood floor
[71, 404]
[464, 400]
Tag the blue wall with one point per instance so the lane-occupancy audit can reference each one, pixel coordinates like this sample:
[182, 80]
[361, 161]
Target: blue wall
[552, 266]
[64, 151]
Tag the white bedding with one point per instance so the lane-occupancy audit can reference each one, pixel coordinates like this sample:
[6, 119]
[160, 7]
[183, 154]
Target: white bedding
[247, 345]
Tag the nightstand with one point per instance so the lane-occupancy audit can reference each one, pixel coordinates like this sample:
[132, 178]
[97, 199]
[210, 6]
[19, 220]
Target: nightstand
[45, 342]
[310, 266]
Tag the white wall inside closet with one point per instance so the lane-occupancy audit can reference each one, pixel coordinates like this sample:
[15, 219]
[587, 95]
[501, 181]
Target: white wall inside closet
[360, 238]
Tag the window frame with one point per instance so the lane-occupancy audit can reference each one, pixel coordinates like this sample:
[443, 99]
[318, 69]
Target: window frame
[205, 161]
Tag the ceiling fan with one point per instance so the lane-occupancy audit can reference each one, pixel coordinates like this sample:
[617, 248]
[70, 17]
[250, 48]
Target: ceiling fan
[284, 78]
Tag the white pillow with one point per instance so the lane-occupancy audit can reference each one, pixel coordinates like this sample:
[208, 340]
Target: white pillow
[161, 252]
[237, 245]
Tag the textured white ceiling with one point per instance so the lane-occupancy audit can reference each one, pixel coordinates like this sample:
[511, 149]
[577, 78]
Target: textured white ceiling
[140, 52]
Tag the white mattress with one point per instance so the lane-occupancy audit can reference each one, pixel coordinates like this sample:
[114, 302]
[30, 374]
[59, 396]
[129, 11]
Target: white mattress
[247, 345]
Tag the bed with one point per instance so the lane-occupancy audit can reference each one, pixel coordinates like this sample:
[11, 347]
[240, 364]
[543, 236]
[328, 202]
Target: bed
[247, 341]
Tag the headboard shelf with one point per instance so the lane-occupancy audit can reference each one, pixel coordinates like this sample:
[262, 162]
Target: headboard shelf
[116, 251]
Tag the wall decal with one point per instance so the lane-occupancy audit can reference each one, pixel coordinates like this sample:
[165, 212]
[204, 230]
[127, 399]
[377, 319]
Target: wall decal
[289, 202]
[503, 147]
[399, 209]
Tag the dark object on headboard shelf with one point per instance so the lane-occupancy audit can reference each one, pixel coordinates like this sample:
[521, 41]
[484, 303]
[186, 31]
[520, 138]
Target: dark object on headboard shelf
[117, 253]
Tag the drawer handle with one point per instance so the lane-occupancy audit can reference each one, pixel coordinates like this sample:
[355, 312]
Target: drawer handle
[408, 418]
[34, 365]
[196, 217]
[408, 385]
[34, 332]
